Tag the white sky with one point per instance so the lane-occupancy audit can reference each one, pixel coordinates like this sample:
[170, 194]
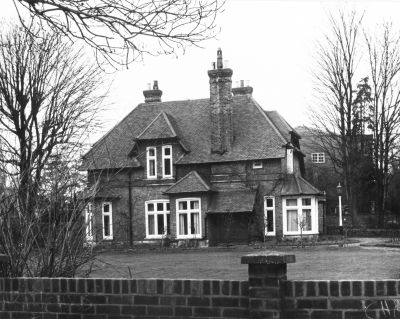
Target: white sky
[270, 43]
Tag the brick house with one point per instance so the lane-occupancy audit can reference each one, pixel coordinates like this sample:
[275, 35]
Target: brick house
[219, 169]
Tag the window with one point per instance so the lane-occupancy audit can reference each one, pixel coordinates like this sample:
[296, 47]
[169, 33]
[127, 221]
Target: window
[257, 164]
[89, 222]
[269, 216]
[318, 157]
[107, 220]
[299, 215]
[151, 162]
[188, 216]
[157, 218]
[167, 161]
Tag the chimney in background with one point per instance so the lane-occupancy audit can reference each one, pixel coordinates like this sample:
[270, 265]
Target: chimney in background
[221, 107]
[242, 89]
[153, 95]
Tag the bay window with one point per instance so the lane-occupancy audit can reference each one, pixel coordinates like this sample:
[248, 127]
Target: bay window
[107, 220]
[188, 218]
[300, 216]
[151, 154]
[167, 161]
[157, 218]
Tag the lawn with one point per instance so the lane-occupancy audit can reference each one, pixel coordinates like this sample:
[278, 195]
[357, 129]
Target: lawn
[312, 263]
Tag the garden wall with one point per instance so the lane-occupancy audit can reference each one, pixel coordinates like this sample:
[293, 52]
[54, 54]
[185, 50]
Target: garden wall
[266, 294]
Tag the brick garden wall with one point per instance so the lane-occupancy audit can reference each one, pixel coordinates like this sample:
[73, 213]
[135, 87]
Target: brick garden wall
[341, 299]
[60, 298]
[267, 294]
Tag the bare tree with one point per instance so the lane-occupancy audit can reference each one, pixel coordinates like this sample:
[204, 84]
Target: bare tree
[49, 96]
[337, 61]
[384, 111]
[121, 31]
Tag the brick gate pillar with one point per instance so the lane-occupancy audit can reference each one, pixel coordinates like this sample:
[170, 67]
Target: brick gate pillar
[266, 271]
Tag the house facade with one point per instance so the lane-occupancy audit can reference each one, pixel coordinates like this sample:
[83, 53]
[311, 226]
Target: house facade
[219, 169]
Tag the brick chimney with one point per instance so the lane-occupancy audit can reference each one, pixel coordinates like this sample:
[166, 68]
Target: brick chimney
[242, 90]
[153, 95]
[221, 107]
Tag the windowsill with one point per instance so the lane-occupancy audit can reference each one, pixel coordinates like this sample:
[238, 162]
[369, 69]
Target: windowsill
[270, 234]
[167, 177]
[108, 238]
[297, 233]
[152, 178]
[156, 236]
[189, 237]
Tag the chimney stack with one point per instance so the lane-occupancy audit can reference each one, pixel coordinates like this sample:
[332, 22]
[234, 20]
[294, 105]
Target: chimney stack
[242, 90]
[221, 107]
[153, 95]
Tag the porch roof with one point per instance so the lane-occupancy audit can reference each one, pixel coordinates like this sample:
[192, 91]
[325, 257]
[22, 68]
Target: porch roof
[297, 185]
[190, 183]
[232, 201]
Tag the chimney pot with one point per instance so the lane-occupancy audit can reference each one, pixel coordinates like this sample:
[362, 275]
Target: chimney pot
[241, 83]
[220, 64]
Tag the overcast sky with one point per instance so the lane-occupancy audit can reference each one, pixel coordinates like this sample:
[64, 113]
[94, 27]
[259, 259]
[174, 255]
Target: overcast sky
[269, 43]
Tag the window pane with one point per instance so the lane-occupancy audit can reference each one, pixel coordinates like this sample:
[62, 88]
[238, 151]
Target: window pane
[195, 224]
[183, 226]
[160, 224]
[168, 225]
[160, 207]
[269, 219]
[152, 169]
[150, 207]
[167, 151]
[182, 205]
[168, 207]
[194, 204]
[150, 219]
[152, 152]
[292, 220]
[306, 219]
[167, 166]
[106, 225]
[106, 208]
[270, 202]
[306, 201]
[291, 202]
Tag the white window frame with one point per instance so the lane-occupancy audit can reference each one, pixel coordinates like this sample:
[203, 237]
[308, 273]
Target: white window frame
[164, 157]
[188, 211]
[289, 161]
[299, 207]
[273, 233]
[89, 222]
[151, 158]
[164, 212]
[318, 158]
[257, 164]
[110, 236]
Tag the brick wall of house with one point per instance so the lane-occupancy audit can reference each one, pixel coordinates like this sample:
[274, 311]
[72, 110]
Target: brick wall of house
[58, 298]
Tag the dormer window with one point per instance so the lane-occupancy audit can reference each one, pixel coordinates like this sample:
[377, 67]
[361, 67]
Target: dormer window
[257, 164]
[167, 161]
[151, 162]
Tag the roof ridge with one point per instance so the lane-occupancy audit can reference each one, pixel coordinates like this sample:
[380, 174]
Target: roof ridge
[261, 110]
[309, 184]
[169, 123]
[298, 184]
[201, 179]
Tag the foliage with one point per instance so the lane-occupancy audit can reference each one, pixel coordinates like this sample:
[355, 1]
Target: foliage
[121, 31]
[48, 102]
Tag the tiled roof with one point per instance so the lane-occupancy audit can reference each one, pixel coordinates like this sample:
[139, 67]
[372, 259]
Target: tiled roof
[236, 201]
[255, 136]
[297, 185]
[280, 123]
[159, 128]
[191, 183]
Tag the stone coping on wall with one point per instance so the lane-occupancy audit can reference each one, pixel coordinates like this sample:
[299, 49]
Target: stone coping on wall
[268, 257]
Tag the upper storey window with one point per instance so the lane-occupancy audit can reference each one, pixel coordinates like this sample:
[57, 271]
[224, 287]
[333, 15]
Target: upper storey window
[167, 161]
[318, 157]
[151, 162]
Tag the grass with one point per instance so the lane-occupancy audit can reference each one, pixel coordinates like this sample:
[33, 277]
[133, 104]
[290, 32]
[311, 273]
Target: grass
[312, 263]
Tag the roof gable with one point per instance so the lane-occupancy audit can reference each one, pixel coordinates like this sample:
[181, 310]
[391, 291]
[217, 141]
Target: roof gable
[159, 128]
[190, 183]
